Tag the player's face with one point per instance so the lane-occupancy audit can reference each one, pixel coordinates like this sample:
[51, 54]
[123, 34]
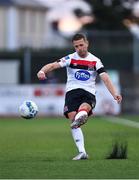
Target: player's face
[81, 47]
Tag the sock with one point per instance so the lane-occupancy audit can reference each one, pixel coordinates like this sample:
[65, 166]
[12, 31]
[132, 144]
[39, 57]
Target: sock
[78, 139]
[80, 113]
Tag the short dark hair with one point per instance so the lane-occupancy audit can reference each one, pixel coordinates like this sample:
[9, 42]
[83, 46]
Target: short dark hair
[79, 36]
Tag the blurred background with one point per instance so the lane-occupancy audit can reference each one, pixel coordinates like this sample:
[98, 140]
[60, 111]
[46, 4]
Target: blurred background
[36, 32]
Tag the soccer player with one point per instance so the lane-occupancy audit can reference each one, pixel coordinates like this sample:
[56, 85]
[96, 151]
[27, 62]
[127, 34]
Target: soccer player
[82, 68]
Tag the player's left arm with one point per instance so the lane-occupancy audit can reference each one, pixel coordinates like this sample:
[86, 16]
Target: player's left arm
[112, 89]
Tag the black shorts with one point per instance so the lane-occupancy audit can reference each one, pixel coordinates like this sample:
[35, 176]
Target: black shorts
[74, 98]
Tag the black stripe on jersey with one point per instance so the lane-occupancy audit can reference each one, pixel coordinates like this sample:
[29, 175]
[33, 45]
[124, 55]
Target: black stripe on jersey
[82, 67]
[101, 70]
[78, 66]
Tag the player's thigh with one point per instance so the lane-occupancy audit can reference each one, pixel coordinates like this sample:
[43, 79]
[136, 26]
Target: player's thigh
[72, 101]
[88, 100]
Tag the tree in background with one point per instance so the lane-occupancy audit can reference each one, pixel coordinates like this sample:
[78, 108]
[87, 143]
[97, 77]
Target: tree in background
[109, 14]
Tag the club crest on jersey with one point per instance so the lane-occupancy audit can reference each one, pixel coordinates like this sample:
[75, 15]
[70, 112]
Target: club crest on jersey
[82, 75]
[75, 64]
[91, 67]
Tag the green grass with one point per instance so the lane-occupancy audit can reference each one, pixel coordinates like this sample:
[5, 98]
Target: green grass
[43, 149]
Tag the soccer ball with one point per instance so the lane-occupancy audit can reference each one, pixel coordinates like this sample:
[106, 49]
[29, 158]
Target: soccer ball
[28, 109]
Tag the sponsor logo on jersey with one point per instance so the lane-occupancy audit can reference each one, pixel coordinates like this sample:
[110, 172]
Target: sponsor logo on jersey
[82, 75]
[67, 57]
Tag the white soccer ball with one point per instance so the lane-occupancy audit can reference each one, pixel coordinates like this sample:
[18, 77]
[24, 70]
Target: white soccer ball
[28, 109]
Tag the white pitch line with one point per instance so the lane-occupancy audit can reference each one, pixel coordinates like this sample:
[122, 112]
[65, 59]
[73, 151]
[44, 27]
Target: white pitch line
[122, 121]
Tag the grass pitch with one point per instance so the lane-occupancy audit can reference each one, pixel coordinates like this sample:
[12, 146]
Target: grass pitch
[42, 148]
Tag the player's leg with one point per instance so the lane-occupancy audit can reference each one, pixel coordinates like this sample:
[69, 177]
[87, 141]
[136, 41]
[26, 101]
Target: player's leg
[84, 110]
[87, 103]
[73, 101]
[79, 119]
[82, 115]
[78, 138]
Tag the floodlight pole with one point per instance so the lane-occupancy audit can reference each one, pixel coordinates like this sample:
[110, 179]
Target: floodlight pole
[135, 54]
[27, 66]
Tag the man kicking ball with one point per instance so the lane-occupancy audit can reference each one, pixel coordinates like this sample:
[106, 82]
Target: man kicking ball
[82, 69]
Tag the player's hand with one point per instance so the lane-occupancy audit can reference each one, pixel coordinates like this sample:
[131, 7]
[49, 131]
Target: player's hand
[41, 75]
[118, 98]
[127, 22]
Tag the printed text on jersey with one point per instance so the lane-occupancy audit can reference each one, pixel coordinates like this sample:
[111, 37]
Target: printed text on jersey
[82, 75]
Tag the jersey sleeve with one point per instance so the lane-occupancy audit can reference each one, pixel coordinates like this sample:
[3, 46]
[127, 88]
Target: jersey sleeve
[65, 61]
[100, 67]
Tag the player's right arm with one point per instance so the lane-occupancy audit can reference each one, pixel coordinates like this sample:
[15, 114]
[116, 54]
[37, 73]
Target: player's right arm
[46, 69]
[63, 62]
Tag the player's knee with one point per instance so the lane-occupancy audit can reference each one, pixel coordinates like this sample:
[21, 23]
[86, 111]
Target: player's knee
[85, 107]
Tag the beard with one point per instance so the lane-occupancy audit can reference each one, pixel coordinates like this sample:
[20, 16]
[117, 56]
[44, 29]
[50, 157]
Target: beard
[82, 53]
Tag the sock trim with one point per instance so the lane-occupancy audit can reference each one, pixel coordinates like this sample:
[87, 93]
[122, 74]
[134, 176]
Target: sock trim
[82, 110]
